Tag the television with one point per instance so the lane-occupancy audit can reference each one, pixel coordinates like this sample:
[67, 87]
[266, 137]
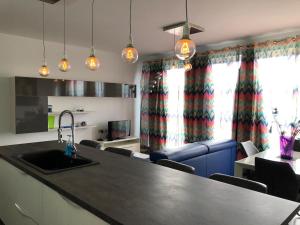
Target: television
[118, 129]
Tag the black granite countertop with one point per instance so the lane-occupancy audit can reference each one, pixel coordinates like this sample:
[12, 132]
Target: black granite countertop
[126, 191]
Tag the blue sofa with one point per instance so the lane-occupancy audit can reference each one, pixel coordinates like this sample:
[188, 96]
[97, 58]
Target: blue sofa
[207, 157]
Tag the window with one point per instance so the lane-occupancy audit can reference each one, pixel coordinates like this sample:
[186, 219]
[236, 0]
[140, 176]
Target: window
[225, 78]
[280, 79]
[175, 124]
[225, 81]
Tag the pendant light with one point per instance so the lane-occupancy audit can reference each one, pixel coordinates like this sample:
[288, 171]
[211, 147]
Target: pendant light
[187, 66]
[44, 69]
[92, 62]
[130, 54]
[64, 64]
[185, 48]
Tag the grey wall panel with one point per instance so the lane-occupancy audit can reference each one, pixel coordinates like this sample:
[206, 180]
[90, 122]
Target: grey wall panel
[54, 87]
[31, 114]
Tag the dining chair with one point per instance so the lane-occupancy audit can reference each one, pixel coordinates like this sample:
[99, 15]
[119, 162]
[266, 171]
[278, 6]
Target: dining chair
[176, 165]
[249, 148]
[297, 145]
[120, 151]
[91, 143]
[278, 176]
[240, 182]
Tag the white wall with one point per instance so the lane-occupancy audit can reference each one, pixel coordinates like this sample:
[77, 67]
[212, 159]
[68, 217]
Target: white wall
[21, 56]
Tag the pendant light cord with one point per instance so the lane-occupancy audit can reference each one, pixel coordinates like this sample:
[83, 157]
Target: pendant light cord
[186, 11]
[174, 42]
[130, 22]
[44, 47]
[64, 28]
[93, 1]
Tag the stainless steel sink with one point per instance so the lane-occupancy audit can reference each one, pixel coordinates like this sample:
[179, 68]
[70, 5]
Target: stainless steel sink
[53, 161]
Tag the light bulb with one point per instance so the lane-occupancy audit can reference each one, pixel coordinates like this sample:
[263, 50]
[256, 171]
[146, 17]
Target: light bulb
[44, 70]
[130, 54]
[187, 66]
[64, 65]
[173, 67]
[92, 62]
[185, 49]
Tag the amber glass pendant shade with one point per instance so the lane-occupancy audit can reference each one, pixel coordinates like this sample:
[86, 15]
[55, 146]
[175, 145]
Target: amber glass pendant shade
[185, 49]
[130, 54]
[44, 71]
[92, 62]
[64, 65]
[188, 66]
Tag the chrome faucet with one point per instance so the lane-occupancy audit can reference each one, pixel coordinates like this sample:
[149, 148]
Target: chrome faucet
[59, 130]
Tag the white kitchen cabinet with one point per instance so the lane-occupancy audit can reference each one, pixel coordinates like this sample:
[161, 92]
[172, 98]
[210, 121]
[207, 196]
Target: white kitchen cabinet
[21, 196]
[26, 201]
[58, 210]
[53, 208]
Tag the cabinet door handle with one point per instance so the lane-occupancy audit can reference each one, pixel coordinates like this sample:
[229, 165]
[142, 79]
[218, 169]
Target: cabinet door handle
[23, 213]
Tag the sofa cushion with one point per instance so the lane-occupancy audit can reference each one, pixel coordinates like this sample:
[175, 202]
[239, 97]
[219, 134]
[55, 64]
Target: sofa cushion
[179, 154]
[219, 162]
[199, 163]
[217, 145]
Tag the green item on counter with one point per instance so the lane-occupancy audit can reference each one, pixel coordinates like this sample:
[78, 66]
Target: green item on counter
[51, 121]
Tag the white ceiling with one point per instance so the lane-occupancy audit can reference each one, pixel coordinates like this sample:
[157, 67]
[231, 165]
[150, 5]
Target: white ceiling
[222, 19]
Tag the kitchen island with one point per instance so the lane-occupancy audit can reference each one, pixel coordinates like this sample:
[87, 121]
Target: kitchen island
[127, 191]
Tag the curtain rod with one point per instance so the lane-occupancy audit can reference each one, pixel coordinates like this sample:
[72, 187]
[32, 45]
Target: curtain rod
[264, 44]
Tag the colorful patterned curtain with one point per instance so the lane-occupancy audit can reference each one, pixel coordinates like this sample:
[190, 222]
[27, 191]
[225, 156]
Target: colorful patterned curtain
[199, 95]
[249, 122]
[154, 94]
